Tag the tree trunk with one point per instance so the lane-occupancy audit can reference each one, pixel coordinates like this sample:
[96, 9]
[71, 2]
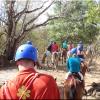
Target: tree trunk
[18, 24]
[10, 49]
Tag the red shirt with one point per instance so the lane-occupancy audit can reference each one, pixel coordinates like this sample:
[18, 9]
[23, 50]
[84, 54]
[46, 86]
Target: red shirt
[70, 47]
[29, 85]
[54, 48]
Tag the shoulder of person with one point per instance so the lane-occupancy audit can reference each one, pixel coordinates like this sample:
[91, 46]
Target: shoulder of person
[78, 59]
[69, 58]
[46, 77]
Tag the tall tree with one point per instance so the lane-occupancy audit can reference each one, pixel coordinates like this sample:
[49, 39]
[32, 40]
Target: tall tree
[81, 17]
[19, 18]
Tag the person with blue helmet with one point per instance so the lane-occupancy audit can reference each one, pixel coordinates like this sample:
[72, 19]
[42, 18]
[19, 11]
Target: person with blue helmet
[80, 51]
[29, 42]
[29, 84]
[26, 51]
[37, 62]
[73, 65]
[72, 51]
[47, 53]
[80, 45]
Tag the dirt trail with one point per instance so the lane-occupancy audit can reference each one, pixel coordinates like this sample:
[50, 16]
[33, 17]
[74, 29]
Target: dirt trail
[92, 76]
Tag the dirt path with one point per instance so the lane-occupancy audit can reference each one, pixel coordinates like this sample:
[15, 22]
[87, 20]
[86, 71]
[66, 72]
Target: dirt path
[92, 76]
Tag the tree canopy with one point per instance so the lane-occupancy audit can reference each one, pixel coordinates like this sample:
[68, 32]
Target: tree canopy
[81, 21]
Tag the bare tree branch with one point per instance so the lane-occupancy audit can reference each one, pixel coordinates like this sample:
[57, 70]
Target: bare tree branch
[23, 33]
[1, 34]
[16, 34]
[22, 28]
[18, 16]
[1, 19]
[21, 38]
[36, 8]
[42, 24]
[33, 19]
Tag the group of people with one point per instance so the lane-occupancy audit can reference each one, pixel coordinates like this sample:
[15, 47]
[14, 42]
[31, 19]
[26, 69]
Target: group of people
[30, 84]
[51, 50]
[55, 48]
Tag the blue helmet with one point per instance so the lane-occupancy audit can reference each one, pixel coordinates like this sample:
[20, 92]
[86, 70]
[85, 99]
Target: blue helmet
[73, 51]
[80, 47]
[29, 42]
[26, 51]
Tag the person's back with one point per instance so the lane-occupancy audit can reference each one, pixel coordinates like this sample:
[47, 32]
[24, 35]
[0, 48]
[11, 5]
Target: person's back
[29, 84]
[64, 45]
[73, 64]
[49, 47]
[54, 47]
[80, 46]
[40, 87]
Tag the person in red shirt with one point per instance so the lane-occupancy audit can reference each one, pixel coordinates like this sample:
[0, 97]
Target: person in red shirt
[54, 50]
[54, 47]
[29, 84]
[70, 46]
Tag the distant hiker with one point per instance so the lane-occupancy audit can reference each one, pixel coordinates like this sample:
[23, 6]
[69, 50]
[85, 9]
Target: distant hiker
[64, 51]
[65, 45]
[73, 65]
[54, 50]
[80, 51]
[70, 46]
[47, 52]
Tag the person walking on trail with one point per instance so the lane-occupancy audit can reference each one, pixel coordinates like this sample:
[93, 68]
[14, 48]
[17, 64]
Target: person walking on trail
[73, 64]
[64, 51]
[54, 50]
[47, 52]
[70, 46]
[49, 46]
[72, 51]
[29, 84]
[64, 45]
[80, 51]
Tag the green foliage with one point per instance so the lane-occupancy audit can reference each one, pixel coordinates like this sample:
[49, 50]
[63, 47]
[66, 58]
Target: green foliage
[93, 12]
[81, 19]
